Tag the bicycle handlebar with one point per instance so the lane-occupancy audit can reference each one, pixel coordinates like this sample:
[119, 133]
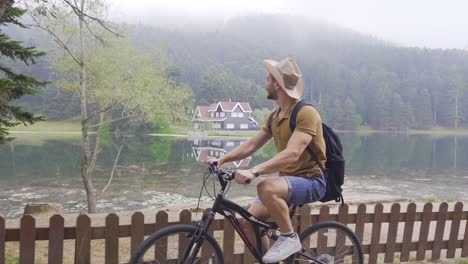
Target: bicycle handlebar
[227, 175]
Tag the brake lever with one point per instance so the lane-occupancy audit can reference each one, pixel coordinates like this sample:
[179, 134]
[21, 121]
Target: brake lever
[214, 166]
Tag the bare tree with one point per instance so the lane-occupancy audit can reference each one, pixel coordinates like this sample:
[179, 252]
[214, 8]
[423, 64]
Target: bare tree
[42, 13]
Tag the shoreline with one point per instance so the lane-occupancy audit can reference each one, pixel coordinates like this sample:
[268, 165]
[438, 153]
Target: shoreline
[98, 219]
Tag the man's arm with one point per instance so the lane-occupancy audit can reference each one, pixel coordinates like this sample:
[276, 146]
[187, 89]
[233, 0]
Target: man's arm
[296, 145]
[247, 148]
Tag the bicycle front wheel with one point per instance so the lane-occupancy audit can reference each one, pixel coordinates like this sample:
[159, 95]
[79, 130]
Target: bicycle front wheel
[171, 244]
[329, 242]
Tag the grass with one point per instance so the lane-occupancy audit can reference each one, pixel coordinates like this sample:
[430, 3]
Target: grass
[232, 134]
[463, 261]
[11, 259]
[436, 131]
[50, 126]
[432, 200]
[440, 131]
[74, 127]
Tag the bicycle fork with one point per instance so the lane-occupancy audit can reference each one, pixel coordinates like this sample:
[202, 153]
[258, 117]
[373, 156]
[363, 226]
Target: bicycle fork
[197, 239]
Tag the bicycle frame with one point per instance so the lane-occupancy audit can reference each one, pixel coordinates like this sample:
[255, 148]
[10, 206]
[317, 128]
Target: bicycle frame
[228, 209]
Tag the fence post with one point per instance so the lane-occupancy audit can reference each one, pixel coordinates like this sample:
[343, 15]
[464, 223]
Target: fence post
[454, 229]
[185, 218]
[464, 252]
[424, 231]
[56, 236]
[160, 249]
[2, 240]
[228, 242]
[342, 218]
[27, 239]
[440, 229]
[375, 237]
[112, 239]
[137, 231]
[322, 239]
[83, 240]
[305, 220]
[408, 232]
[205, 250]
[392, 233]
[361, 213]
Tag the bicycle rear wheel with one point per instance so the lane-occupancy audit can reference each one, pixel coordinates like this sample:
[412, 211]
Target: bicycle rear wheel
[170, 244]
[328, 243]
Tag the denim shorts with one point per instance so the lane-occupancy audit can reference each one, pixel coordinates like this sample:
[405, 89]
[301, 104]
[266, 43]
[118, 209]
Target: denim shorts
[303, 190]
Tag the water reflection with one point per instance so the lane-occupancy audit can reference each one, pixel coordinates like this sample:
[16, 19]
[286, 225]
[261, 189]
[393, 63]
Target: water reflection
[158, 171]
[216, 148]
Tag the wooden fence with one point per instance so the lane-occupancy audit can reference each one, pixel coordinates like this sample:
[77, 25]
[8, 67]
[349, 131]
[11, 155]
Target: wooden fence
[403, 235]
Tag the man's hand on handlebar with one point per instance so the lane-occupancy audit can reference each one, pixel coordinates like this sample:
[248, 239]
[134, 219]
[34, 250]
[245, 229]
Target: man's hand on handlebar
[210, 162]
[244, 176]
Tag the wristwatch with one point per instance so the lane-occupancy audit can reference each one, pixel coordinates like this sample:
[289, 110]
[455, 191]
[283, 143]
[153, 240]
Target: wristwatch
[254, 171]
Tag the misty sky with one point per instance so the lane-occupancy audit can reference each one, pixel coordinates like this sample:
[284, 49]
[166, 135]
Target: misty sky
[422, 23]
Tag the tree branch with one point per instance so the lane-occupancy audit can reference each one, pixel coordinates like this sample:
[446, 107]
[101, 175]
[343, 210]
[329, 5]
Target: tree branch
[98, 112]
[56, 39]
[114, 120]
[100, 21]
[113, 169]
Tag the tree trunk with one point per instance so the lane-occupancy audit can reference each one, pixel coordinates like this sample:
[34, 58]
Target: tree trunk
[85, 174]
[97, 145]
[456, 108]
[455, 144]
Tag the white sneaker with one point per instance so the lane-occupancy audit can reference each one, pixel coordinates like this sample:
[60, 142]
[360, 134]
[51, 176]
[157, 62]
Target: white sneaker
[282, 249]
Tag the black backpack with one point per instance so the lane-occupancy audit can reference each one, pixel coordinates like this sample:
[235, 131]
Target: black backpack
[335, 165]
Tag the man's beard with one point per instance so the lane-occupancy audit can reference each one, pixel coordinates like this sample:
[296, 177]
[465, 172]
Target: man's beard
[272, 95]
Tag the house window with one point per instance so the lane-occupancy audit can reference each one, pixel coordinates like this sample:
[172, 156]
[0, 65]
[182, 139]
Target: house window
[196, 126]
[222, 114]
[230, 126]
[229, 144]
[216, 125]
[212, 114]
[240, 114]
[244, 126]
[234, 114]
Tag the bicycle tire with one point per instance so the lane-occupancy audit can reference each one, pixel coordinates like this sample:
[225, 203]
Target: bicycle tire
[151, 241]
[324, 227]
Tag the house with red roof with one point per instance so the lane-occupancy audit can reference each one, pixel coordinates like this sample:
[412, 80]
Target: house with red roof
[229, 116]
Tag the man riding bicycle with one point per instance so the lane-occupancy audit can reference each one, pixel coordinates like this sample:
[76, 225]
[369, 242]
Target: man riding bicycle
[300, 179]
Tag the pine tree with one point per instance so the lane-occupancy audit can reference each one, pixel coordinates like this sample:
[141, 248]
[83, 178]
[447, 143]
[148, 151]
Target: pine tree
[15, 85]
[423, 110]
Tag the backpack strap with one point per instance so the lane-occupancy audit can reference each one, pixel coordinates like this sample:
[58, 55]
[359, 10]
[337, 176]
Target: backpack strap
[270, 119]
[292, 127]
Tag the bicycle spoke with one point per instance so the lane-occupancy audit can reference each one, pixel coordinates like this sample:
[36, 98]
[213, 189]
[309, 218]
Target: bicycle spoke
[329, 243]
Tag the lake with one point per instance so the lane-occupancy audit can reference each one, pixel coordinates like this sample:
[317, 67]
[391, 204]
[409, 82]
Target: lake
[160, 171]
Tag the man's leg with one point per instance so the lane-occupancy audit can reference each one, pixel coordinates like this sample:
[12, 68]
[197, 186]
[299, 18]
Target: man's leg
[258, 210]
[274, 193]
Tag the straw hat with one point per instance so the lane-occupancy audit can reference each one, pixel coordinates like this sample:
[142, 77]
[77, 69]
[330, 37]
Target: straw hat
[288, 75]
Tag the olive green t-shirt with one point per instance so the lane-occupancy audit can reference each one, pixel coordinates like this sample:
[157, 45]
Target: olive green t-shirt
[308, 121]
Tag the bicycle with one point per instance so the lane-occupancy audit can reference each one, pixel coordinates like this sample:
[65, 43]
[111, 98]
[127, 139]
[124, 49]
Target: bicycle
[325, 242]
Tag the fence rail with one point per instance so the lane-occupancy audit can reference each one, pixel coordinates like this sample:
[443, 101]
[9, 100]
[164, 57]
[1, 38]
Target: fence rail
[405, 234]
